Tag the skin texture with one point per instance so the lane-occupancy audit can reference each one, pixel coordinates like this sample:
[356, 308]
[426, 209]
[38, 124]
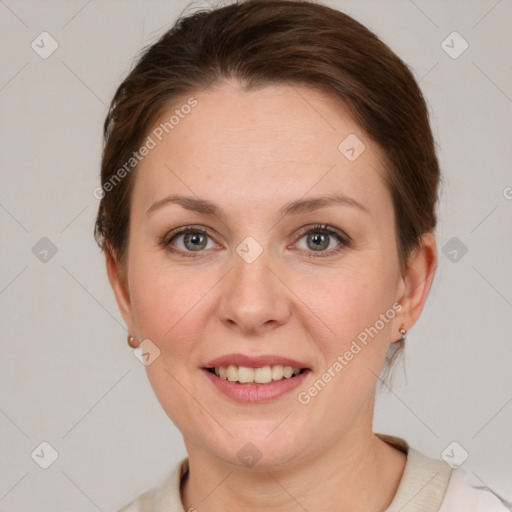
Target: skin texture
[250, 153]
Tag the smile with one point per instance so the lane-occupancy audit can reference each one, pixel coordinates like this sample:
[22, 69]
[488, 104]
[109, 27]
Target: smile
[253, 392]
[263, 375]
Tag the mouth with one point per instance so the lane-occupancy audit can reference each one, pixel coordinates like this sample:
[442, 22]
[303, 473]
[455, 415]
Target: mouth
[256, 378]
[256, 385]
[261, 375]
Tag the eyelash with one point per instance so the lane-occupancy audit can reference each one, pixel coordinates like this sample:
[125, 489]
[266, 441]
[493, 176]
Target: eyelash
[165, 241]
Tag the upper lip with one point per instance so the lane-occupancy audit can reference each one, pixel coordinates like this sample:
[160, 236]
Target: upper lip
[254, 361]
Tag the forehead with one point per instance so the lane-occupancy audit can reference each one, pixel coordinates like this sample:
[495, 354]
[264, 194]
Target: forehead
[277, 142]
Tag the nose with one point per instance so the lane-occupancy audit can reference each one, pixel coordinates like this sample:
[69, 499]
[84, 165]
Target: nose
[254, 299]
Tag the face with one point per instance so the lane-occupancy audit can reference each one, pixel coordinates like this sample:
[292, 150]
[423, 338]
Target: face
[262, 278]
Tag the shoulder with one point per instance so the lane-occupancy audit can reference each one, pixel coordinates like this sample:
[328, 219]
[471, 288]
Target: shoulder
[431, 485]
[143, 503]
[465, 493]
[165, 496]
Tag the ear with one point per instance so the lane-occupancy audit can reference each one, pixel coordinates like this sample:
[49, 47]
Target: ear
[119, 285]
[416, 281]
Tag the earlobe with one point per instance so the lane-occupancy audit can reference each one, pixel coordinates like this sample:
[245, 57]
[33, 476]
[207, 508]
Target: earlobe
[417, 280]
[119, 287]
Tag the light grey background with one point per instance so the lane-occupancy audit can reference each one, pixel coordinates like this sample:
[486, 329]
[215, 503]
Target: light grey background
[67, 375]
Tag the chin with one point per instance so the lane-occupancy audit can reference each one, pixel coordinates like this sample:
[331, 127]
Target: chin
[261, 451]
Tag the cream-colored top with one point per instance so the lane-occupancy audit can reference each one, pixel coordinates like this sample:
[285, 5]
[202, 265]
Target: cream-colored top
[427, 485]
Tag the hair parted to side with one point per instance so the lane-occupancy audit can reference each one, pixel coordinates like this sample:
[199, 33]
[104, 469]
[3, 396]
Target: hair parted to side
[264, 42]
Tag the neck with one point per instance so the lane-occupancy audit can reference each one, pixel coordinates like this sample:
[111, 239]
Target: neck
[360, 472]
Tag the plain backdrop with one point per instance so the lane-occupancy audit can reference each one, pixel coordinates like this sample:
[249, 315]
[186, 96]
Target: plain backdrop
[67, 375]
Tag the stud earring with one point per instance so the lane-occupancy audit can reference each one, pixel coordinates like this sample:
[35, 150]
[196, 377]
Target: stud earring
[402, 331]
[131, 340]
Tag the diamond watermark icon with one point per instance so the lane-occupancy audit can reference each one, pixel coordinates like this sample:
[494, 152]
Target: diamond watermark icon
[146, 352]
[44, 45]
[351, 147]
[454, 45]
[249, 249]
[44, 250]
[249, 455]
[454, 455]
[454, 249]
[44, 455]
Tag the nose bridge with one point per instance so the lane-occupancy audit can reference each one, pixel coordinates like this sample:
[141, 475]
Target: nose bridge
[253, 297]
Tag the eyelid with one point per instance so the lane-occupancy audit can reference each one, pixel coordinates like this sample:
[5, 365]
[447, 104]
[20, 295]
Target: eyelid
[167, 237]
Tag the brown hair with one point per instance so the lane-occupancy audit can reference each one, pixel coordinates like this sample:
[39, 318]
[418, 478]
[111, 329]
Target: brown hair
[260, 42]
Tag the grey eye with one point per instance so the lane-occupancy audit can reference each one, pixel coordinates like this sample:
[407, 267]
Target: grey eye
[318, 241]
[197, 241]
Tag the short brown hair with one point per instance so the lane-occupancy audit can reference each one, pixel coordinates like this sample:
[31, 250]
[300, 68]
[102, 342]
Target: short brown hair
[261, 42]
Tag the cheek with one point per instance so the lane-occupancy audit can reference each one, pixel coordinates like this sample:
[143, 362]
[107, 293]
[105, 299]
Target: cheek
[170, 311]
[348, 301]
[357, 306]
[169, 304]
[358, 309]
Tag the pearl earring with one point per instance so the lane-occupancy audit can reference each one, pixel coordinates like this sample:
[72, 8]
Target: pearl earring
[131, 340]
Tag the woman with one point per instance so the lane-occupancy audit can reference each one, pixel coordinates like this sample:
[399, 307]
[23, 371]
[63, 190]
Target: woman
[269, 184]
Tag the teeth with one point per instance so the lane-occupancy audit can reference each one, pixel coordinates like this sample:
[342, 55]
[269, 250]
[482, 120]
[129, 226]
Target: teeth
[277, 372]
[245, 374]
[264, 375]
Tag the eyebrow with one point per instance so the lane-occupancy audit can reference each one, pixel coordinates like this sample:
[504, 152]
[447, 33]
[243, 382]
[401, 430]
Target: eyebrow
[300, 206]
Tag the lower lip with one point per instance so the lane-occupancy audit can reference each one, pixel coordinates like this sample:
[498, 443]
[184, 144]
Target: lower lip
[256, 393]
